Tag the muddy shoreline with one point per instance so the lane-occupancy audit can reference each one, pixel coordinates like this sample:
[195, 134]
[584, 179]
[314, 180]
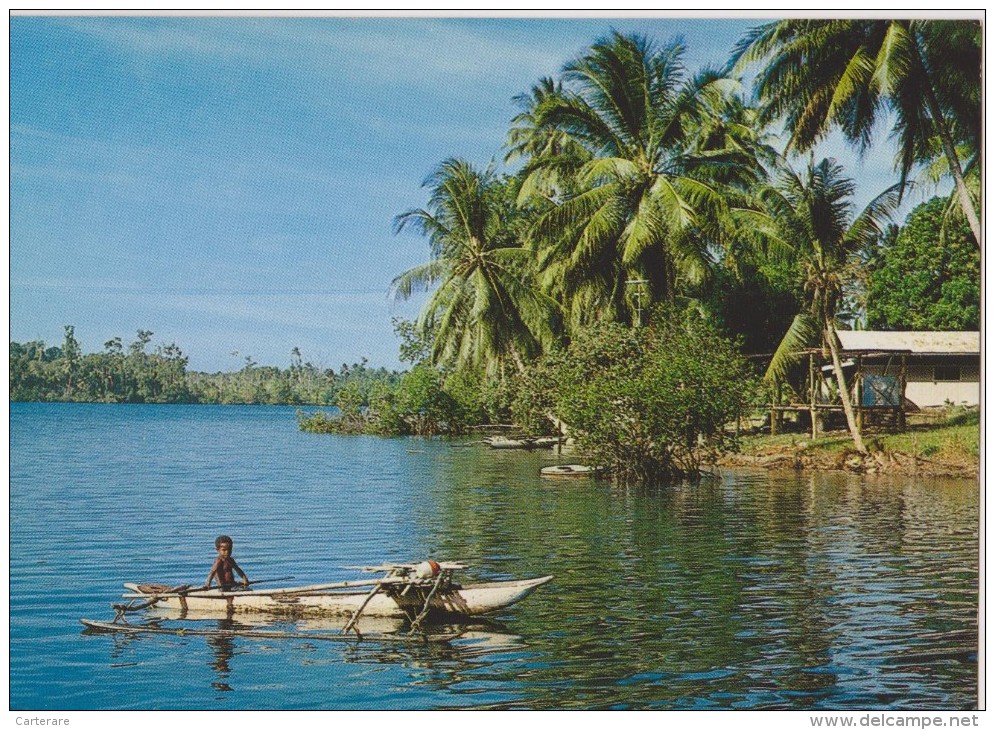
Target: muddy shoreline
[804, 458]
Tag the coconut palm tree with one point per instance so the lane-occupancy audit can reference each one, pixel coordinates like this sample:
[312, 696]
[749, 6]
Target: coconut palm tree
[484, 310]
[559, 156]
[634, 198]
[927, 73]
[812, 218]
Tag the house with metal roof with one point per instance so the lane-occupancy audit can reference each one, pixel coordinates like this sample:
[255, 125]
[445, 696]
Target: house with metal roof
[939, 367]
[888, 374]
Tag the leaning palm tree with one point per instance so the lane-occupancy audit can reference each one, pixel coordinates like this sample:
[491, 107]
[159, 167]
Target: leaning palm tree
[635, 199]
[484, 310]
[927, 73]
[812, 218]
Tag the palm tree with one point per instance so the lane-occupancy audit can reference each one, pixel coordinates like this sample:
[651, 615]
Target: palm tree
[484, 311]
[811, 217]
[819, 73]
[612, 149]
[530, 140]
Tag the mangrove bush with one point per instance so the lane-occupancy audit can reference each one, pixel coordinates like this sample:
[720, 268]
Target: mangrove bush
[646, 405]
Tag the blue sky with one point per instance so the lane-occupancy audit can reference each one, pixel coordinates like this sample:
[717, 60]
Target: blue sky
[230, 183]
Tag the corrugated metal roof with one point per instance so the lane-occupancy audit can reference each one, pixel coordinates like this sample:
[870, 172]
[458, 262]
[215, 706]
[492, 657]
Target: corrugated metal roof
[916, 342]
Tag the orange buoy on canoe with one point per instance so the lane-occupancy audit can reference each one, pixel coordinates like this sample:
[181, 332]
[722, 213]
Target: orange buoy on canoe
[427, 569]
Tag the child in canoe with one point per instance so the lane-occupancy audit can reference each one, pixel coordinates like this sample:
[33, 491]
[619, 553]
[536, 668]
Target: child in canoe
[225, 567]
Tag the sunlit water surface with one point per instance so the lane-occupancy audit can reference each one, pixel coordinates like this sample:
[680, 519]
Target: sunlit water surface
[749, 591]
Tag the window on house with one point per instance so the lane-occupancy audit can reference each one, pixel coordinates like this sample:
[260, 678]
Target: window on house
[946, 373]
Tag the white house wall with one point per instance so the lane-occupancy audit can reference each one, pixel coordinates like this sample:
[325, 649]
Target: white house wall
[922, 389]
[938, 394]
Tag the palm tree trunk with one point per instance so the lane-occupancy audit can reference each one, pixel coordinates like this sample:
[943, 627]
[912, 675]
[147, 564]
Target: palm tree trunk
[851, 422]
[963, 196]
[949, 150]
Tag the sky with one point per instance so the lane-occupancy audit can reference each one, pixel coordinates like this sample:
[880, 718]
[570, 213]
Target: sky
[230, 183]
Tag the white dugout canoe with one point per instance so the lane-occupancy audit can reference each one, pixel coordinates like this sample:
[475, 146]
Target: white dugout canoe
[396, 598]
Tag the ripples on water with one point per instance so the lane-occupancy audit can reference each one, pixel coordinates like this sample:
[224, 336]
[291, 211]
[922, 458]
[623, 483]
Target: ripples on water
[748, 591]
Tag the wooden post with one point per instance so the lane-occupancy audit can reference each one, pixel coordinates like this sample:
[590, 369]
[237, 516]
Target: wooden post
[773, 409]
[858, 384]
[355, 616]
[902, 381]
[811, 396]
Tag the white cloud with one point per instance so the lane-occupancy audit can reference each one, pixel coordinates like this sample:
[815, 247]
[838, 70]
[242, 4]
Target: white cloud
[382, 50]
[304, 310]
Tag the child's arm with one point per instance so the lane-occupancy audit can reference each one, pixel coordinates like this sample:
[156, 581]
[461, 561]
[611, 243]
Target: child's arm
[213, 573]
[245, 578]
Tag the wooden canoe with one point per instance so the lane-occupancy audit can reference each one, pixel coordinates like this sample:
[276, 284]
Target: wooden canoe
[567, 471]
[398, 598]
[503, 442]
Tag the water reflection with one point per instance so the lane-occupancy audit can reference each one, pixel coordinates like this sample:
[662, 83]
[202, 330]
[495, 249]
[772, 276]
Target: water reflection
[748, 591]
[318, 642]
[222, 647]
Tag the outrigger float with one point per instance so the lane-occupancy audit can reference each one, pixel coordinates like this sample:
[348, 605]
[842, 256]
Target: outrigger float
[405, 591]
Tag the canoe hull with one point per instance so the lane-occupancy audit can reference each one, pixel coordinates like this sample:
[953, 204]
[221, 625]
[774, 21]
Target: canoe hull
[470, 600]
[567, 471]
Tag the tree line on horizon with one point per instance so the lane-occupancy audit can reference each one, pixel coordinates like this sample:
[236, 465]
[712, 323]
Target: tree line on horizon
[133, 374]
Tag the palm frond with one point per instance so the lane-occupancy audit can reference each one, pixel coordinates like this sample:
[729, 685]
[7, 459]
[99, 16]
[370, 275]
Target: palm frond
[803, 333]
[420, 278]
[616, 169]
[869, 225]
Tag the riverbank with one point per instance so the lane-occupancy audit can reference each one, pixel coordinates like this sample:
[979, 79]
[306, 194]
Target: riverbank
[948, 446]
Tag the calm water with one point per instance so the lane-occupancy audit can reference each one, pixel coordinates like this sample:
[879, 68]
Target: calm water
[751, 591]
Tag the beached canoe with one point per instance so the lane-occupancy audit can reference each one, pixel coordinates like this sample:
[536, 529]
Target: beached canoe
[503, 442]
[567, 470]
[400, 597]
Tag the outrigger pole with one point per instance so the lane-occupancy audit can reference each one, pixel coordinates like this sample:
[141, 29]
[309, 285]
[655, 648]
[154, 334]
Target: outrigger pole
[109, 627]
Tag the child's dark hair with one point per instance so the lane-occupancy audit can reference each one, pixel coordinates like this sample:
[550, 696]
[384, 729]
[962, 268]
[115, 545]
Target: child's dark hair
[222, 540]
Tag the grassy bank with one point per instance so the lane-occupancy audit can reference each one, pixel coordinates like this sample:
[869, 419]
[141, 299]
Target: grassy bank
[947, 443]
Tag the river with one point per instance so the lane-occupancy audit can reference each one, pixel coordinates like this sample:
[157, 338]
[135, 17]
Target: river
[750, 590]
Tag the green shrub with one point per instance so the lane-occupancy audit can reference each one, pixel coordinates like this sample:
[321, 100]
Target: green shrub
[646, 405]
[319, 422]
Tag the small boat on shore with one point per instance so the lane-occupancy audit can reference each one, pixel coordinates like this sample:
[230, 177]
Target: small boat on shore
[405, 591]
[503, 442]
[567, 471]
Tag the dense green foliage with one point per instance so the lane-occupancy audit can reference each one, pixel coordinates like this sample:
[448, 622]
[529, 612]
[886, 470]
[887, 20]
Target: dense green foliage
[939, 271]
[422, 402]
[645, 404]
[116, 375]
[631, 164]
[64, 373]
